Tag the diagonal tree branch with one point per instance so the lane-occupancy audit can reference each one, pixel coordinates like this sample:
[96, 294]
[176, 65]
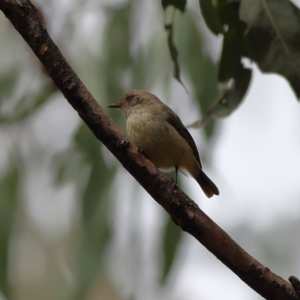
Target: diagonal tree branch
[22, 14]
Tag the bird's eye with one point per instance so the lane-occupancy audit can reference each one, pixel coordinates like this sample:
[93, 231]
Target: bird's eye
[129, 98]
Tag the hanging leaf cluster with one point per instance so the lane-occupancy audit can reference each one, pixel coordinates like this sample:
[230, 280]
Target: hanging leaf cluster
[263, 31]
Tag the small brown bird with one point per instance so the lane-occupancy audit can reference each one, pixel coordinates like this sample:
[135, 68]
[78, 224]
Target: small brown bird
[158, 131]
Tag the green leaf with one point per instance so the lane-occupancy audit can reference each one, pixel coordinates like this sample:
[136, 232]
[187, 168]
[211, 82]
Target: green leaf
[24, 111]
[273, 35]
[171, 240]
[8, 202]
[180, 4]
[95, 207]
[153, 63]
[211, 16]
[233, 78]
[234, 44]
[231, 97]
[169, 27]
[174, 53]
[7, 82]
[198, 66]
[116, 53]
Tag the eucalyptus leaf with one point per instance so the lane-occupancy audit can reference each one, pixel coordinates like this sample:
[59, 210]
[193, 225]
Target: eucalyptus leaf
[211, 16]
[24, 112]
[180, 4]
[233, 77]
[174, 53]
[273, 35]
[230, 98]
[169, 27]
[171, 240]
[198, 66]
[8, 203]
[7, 82]
[116, 53]
[96, 225]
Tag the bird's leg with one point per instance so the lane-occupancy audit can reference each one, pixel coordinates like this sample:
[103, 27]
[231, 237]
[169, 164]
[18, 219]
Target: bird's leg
[176, 174]
[140, 150]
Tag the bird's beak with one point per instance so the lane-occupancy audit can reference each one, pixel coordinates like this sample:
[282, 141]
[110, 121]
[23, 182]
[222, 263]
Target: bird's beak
[115, 105]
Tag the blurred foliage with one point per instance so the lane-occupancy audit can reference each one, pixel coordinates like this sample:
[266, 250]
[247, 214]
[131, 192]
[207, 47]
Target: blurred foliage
[211, 16]
[180, 4]
[233, 77]
[95, 228]
[262, 31]
[9, 195]
[22, 112]
[171, 239]
[273, 36]
[117, 58]
[201, 70]
[121, 61]
[7, 83]
[169, 27]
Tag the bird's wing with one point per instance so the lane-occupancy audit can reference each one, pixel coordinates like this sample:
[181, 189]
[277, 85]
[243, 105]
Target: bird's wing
[175, 121]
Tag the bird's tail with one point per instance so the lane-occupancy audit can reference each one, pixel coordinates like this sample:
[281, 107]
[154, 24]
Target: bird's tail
[208, 187]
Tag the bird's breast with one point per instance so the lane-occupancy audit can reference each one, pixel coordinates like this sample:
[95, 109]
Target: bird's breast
[159, 140]
[143, 129]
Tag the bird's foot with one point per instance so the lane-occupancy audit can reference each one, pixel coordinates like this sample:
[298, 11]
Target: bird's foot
[174, 185]
[140, 150]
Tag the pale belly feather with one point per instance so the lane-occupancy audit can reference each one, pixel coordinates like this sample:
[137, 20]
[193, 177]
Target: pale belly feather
[160, 141]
